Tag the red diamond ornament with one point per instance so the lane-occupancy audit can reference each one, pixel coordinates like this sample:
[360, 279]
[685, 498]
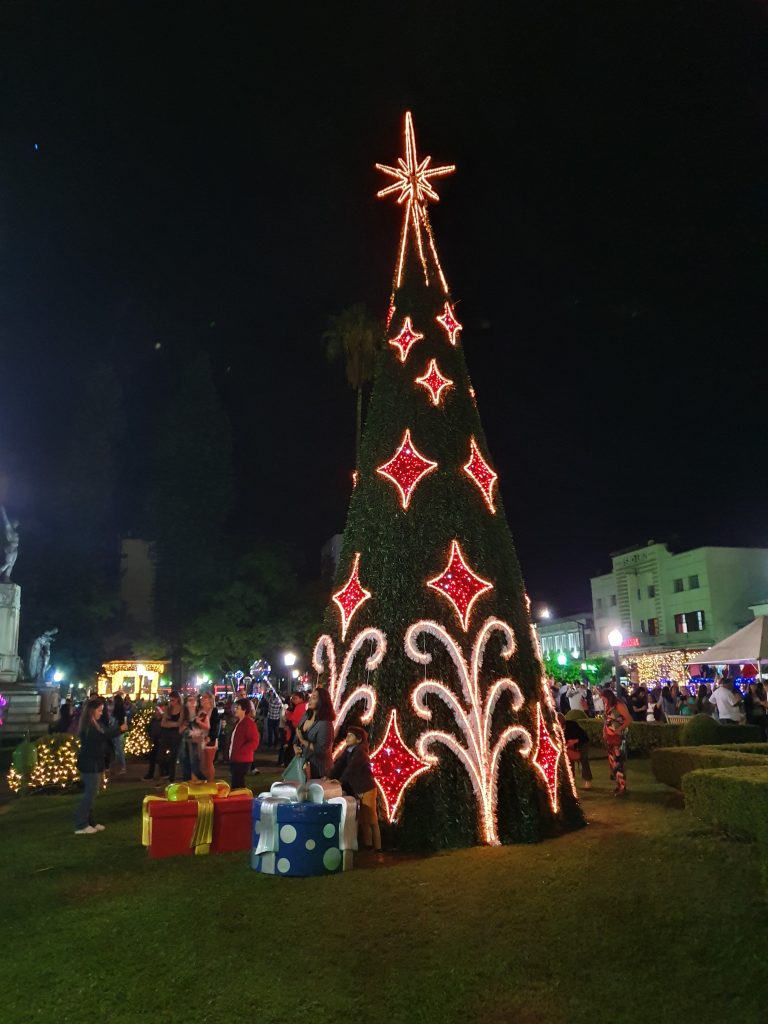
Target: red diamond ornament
[460, 585]
[546, 758]
[481, 473]
[350, 597]
[394, 767]
[406, 339]
[434, 382]
[406, 467]
[450, 323]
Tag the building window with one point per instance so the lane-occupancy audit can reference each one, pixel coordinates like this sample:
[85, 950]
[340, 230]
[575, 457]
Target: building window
[638, 593]
[693, 582]
[689, 622]
[599, 604]
[642, 625]
[613, 600]
[653, 627]
[677, 586]
[652, 590]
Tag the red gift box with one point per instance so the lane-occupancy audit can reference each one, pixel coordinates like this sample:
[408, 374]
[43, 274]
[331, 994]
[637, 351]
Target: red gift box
[175, 827]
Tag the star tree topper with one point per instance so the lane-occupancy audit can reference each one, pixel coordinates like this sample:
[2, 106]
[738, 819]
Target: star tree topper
[412, 182]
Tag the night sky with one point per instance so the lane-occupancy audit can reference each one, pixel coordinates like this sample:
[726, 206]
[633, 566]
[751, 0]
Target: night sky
[202, 176]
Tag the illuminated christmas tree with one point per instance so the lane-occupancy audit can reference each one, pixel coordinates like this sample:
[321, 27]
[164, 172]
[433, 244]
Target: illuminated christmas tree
[428, 636]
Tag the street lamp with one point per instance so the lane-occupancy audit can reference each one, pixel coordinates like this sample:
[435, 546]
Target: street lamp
[616, 639]
[289, 659]
[545, 613]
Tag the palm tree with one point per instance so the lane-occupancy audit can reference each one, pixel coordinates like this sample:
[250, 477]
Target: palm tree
[356, 336]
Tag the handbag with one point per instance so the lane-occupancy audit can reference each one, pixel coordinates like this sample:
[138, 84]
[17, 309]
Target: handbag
[295, 770]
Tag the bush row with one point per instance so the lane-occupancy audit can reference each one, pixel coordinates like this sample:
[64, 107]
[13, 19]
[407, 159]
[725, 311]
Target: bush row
[733, 799]
[643, 737]
[671, 764]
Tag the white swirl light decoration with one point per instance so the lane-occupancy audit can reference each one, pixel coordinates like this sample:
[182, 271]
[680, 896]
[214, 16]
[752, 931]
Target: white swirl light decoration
[474, 720]
[337, 684]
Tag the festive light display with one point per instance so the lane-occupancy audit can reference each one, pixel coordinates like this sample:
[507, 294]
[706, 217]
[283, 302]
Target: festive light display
[405, 340]
[406, 468]
[478, 470]
[137, 741]
[56, 764]
[350, 597]
[395, 766]
[412, 181]
[546, 758]
[390, 314]
[460, 585]
[355, 476]
[324, 656]
[434, 382]
[663, 666]
[450, 323]
[473, 712]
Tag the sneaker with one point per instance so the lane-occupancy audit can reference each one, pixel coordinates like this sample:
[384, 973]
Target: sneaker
[98, 828]
[87, 831]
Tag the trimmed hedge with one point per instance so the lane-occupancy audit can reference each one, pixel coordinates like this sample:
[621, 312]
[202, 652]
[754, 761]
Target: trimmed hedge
[704, 731]
[642, 737]
[576, 715]
[733, 799]
[671, 764]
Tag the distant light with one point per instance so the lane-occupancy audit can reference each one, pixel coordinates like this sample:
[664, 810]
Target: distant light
[141, 669]
[584, 666]
[574, 654]
[58, 676]
[36, 147]
[289, 659]
[546, 613]
[295, 674]
[562, 659]
[615, 638]
[158, 346]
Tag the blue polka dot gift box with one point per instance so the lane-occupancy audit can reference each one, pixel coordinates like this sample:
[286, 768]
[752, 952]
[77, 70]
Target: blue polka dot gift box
[304, 830]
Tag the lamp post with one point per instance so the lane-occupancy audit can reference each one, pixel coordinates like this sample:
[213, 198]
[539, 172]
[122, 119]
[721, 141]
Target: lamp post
[616, 639]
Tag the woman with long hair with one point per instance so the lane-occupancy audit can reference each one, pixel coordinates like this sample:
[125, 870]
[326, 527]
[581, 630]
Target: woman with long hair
[703, 705]
[615, 722]
[90, 760]
[211, 738]
[314, 736]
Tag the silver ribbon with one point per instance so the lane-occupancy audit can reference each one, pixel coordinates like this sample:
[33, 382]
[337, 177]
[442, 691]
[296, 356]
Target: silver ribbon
[348, 824]
[318, 791]
[269, 832]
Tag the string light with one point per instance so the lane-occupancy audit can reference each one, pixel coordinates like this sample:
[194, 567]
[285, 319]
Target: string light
[56, 765]
[337, 684]
[657, 667]
[478, 470]
[390, 314]
[412, 182]
[473, 713]
[350, 597]
[460, 585]
[406, 468]
[405, 340]
[137, 741]
[395, 766]
[546, 758]
[434, 382]
[450, 323]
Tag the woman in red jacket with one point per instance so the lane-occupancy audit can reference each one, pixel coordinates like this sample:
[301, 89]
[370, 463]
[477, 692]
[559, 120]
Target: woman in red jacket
[243, 743]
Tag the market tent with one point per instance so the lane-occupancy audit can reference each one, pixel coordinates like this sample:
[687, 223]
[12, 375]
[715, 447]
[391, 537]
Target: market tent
[749, 644]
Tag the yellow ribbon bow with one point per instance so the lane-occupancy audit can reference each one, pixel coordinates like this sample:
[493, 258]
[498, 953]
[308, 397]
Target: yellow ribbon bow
[202, 793]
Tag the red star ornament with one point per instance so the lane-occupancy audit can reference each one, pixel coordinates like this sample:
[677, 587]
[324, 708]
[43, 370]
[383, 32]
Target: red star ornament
[478, 470]
[434, 382]
[460, 585]
[406, 339]
[350, 597]
[450, 323]
[406, 467]
[546, 758]
[394, 767]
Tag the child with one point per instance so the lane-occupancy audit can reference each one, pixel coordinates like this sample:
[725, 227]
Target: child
[353, 770]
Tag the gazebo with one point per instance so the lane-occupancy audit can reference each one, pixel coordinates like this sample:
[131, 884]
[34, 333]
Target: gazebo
[139, 679]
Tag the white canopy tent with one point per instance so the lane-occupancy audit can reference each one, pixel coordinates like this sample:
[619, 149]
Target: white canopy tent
[746, 646]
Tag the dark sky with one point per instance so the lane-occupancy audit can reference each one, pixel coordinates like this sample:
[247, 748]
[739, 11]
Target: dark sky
[205, 177]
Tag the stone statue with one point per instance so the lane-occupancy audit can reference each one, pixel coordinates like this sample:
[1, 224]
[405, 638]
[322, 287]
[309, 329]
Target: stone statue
[11, 551]
[40, 655]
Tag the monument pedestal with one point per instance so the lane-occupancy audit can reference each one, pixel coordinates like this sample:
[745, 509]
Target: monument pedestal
[10, 607]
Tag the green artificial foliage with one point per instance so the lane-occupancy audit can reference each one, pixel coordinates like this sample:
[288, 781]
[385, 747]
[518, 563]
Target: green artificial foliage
[671, 764]
[400, 550]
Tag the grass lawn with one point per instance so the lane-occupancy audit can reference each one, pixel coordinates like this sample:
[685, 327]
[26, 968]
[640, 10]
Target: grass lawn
[642, 916]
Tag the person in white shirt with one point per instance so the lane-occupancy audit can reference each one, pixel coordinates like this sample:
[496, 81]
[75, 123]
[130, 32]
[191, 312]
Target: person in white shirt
[597, 699]
[727, 702]
[577, 697]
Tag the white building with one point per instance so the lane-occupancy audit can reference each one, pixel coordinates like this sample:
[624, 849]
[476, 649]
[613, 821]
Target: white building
[693, 599]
